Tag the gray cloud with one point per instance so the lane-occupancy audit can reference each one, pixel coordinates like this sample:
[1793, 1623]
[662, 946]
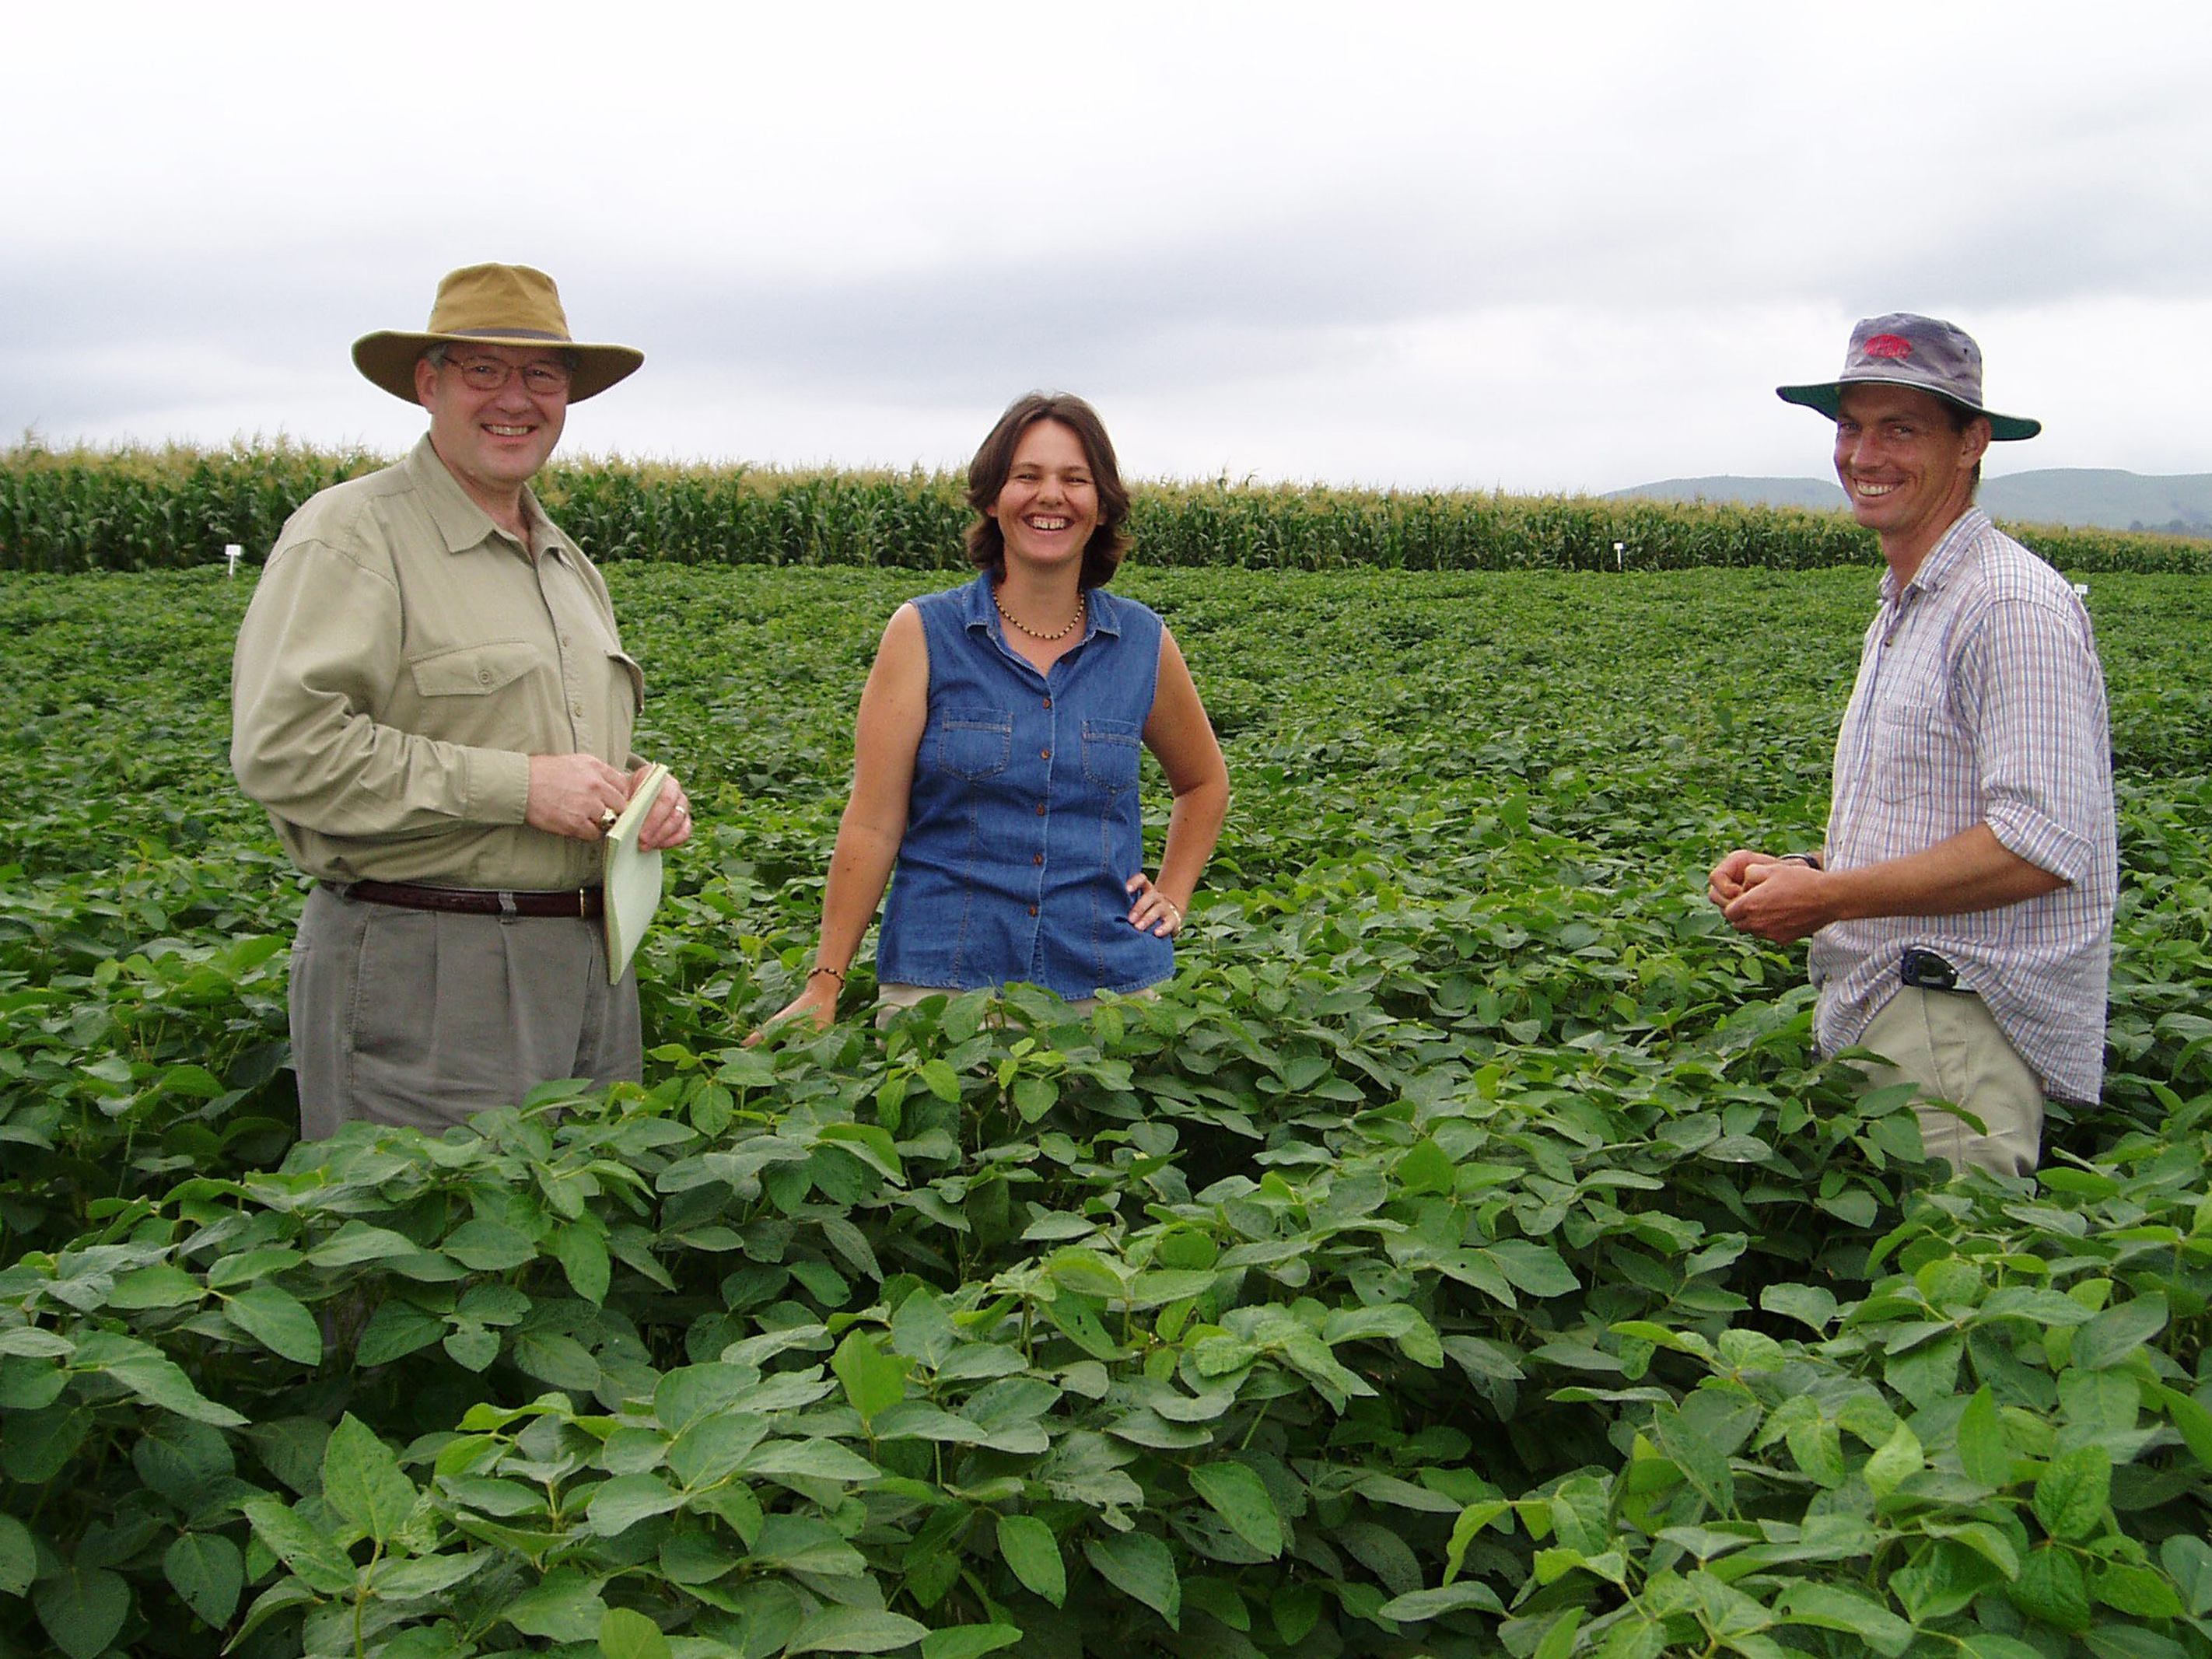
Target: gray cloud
[1440, 243]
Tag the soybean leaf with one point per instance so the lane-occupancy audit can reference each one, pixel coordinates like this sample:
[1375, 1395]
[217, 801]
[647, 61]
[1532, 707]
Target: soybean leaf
[1893, 1460]
[1240, 1498]
[308, 1551]
[818, 1459]
[1810, 1304]
[1534, 1267]
[2051, 1586]
[625, 1633]
[412, 1578]
[19, 1557]
[156, 1380]
[362, 1481]
[1417, 1605]
[582, 1251]
[622, 1503]
[207, 1571]
[1984, 1452]
[2136, 1590]
[1836, 1606]
[1140, 1565]
[489, 1247]
[556, 1358]
[874, 1379]
[276, 1319]
[968, 1641]
[2115, 1333]
[82, 1608]
[471, 1347]
[2075, 1493]
[855, 1630]
[358, 1242]
[564, 1606]
[2192, 1419]
[2188, 1563]
[1027, 1546]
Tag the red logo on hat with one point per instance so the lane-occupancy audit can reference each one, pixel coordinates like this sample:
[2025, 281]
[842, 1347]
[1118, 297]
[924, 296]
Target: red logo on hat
[1888, 345]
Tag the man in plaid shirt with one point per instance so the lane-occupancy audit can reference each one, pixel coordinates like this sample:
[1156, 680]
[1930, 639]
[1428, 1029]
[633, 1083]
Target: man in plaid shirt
[1961, 910]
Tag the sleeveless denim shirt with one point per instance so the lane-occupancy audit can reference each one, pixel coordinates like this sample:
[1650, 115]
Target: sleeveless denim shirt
[1023, 823]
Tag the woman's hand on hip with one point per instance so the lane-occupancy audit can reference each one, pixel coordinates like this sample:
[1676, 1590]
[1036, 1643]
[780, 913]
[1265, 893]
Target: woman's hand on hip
[1153, 912]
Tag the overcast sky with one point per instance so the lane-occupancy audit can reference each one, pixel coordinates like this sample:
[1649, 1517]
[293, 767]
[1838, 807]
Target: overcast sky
[1569, 246]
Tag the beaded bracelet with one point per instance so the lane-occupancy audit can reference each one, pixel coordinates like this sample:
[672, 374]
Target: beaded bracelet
[836, 973]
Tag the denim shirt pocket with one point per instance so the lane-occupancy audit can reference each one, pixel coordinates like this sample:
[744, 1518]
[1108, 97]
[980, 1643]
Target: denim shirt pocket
[973, 743]
[1113, 751]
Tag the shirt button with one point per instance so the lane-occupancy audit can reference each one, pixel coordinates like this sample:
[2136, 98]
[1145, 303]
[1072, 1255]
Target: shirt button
[1044, 753]
[1039, 809]
[1036, 858]
[1033, 909]
[577, 709]
[1047, 703]
[483, 677]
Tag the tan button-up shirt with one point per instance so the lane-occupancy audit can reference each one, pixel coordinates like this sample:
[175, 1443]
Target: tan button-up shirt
[402, 659]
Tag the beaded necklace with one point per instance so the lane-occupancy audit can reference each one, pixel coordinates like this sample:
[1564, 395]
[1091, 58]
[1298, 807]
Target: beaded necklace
[1057, 634]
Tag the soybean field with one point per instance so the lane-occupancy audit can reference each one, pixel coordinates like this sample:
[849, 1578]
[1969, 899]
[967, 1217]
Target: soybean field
[1466, 1254]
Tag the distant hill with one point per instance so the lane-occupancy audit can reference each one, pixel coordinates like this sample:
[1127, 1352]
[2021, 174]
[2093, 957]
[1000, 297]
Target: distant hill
[1821, 494]
[2179, 504]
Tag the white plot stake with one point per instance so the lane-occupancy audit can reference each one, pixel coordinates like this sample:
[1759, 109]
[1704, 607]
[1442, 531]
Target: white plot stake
[1619, 555]
[231, 550]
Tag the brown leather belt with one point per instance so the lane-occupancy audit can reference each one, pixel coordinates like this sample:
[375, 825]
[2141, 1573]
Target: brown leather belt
[584, 902]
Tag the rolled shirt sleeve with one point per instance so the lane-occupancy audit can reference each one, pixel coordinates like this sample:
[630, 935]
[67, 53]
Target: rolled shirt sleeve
[2027, 682]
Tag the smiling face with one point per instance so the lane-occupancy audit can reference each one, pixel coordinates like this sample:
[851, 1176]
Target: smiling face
[1049, 505]
[1906, 462]
[492, 442]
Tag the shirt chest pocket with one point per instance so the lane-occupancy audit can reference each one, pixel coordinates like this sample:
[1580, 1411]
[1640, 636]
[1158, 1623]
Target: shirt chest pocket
[627, 671]
[1920, 751]
[973, 743]
[1112, 752]
[473, 670]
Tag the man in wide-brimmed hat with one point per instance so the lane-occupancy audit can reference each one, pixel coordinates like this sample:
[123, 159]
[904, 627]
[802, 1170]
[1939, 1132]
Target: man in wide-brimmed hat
[1961, 908]
[431, 698]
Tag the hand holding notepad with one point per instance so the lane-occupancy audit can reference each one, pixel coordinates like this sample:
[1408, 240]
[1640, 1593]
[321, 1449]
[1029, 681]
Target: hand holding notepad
[631, 875]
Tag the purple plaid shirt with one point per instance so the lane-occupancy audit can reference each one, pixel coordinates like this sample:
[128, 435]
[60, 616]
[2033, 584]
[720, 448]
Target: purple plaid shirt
[1980, 700]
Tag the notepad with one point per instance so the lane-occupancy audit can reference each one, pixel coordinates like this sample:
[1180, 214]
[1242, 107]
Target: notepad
[631, 876]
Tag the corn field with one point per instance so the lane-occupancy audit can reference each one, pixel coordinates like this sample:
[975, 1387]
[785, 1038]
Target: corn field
[176, 508]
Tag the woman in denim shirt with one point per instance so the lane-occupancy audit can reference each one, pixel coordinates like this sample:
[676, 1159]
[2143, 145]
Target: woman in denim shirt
[995, 759]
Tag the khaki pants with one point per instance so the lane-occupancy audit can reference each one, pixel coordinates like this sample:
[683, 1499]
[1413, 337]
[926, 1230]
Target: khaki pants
[422, 1017]
[1947, 1043]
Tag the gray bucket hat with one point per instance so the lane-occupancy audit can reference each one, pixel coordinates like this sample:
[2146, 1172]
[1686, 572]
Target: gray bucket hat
[1925, 353]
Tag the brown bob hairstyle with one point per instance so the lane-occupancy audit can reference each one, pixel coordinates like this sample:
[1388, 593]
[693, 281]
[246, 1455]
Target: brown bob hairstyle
[995, 462]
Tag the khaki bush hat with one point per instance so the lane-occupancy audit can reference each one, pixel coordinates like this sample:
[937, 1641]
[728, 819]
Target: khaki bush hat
[1905, 349]
[492, 304]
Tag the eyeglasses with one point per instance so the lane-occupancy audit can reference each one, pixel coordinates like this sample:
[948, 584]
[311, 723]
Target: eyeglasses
[491, 375]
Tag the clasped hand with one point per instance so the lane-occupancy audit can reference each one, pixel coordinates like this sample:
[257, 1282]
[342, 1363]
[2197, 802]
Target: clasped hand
[1777, 899]
[573, 794]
